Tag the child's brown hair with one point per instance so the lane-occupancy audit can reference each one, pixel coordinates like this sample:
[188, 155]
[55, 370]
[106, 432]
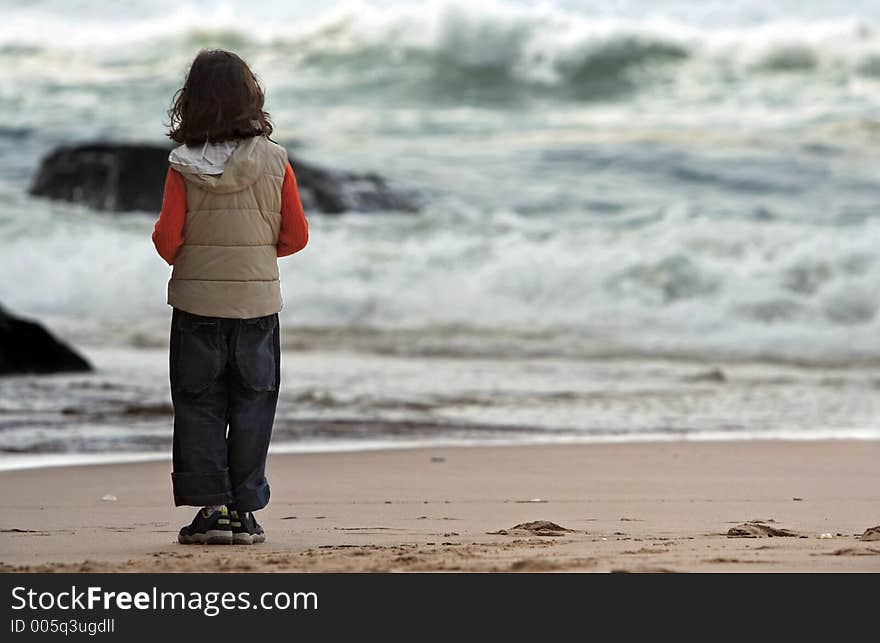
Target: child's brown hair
[221, 99]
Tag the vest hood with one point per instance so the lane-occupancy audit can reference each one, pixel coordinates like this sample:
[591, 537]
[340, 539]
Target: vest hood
[242, 169]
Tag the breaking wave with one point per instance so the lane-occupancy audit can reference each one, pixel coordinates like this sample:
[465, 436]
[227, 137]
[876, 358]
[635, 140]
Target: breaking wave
[488, 49]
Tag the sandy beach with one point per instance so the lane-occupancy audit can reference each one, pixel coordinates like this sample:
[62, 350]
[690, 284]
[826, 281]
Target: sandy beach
[630, 507]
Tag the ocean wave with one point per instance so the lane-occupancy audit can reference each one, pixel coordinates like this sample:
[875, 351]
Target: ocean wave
[491, 46]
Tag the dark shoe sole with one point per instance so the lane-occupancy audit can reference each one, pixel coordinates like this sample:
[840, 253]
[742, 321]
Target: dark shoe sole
[210, 537]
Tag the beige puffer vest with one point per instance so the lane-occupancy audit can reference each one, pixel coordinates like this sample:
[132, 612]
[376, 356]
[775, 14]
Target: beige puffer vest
[228, 266]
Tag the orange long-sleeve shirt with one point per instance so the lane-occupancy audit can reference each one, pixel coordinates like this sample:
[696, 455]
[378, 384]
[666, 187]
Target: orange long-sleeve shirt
[168, 232]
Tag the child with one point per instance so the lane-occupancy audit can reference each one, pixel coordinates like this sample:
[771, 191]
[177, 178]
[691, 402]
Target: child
[230, 208]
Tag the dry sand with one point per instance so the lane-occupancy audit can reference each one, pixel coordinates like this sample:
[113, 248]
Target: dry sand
[631, 507]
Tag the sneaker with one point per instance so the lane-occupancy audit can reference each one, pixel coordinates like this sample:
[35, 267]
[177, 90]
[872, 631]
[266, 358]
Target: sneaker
[207, 528]
[245, 529]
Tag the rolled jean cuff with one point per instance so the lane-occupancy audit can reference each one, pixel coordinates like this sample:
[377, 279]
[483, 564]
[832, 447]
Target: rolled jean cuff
[252, 499]
[202, 489]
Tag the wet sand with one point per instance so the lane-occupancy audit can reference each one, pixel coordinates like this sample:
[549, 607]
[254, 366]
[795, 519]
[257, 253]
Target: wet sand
[630, 507]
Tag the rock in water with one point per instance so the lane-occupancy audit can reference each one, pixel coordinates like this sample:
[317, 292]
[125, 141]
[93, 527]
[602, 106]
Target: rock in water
[338, 191]
[27, 347]
[105, 176]
[123, 177]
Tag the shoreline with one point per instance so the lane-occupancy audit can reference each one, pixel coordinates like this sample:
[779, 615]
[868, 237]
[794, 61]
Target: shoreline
[28, 461]
[660, 506]
[440, 401]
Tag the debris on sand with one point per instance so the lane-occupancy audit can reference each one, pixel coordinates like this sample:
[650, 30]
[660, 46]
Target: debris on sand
[534, 528]
[871, 533]
[758, 529]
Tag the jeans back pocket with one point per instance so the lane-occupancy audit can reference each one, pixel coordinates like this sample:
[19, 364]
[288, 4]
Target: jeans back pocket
[200, 353]
[255, 353]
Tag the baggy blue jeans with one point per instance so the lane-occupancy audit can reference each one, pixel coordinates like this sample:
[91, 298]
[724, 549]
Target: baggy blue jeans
[225, 375]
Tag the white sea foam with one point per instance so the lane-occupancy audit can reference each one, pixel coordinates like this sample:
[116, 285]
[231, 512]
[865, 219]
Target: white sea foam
[675, 286]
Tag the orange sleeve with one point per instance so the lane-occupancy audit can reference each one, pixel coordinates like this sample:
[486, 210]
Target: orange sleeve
[294, 233]
[168, 233]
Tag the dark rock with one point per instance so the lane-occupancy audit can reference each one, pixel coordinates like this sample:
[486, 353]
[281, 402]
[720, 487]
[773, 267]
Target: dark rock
[105, 176]
[122, 177]
[27, 347]
[337, 191]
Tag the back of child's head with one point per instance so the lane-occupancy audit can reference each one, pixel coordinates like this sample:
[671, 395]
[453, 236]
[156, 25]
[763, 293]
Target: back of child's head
[221, 100]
